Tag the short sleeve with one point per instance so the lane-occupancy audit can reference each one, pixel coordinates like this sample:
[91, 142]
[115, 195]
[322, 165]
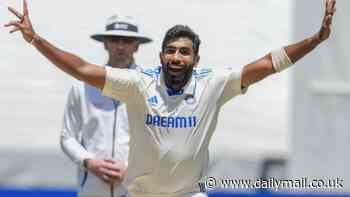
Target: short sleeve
[233, 85]
[121, 84]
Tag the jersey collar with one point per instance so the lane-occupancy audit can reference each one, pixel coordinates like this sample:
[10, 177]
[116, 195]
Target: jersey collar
[131, 66]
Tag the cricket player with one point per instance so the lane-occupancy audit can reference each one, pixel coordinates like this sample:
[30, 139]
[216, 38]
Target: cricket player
[172, 108]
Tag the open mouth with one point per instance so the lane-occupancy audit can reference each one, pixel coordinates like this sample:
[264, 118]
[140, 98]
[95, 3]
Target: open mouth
[176, 73]
[176, 69]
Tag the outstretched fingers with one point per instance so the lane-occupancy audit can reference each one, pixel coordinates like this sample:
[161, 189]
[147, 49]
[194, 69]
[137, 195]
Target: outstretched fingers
[330, 11]
[14, 30]
[330, 7]
[16, 13]
[325, 30]
[25, 8]
[13, 23]
[23, 24]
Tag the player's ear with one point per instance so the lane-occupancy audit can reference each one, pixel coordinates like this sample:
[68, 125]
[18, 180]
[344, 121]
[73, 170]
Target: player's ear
[105, 45]
[161, 57]
[196, 60]
[137, 46]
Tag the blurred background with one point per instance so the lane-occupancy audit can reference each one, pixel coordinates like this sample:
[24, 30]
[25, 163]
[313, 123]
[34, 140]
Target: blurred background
[289, 126]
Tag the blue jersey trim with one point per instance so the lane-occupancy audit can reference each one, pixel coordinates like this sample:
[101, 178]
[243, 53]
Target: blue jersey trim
[202, 72]
[151, 72]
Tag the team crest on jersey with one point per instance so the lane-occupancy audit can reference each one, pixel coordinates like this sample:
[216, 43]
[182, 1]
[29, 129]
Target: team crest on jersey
[153, 100]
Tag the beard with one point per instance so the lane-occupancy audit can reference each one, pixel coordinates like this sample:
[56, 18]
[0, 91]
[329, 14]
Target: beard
[177, 78]
[120, 61]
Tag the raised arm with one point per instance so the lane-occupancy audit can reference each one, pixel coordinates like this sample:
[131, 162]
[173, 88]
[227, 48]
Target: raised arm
[69, 63]
[281, 59]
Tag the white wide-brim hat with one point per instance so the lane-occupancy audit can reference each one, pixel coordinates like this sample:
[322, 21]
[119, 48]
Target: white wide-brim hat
[124, 26]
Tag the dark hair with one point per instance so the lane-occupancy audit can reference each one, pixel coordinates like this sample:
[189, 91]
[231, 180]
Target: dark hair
[179, 31]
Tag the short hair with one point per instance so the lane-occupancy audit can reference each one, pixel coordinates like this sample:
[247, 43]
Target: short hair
[179, 31]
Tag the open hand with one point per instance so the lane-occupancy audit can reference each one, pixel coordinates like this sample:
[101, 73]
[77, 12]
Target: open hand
[23, 23]
[325, 30]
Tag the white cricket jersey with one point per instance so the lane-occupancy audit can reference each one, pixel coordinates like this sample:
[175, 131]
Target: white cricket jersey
[170, 131]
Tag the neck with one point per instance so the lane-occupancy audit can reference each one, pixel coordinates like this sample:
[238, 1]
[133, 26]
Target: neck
[175, 86]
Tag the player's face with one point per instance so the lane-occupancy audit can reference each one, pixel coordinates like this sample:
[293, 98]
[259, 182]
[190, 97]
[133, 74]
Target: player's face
[121, 49]
[178, 59]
